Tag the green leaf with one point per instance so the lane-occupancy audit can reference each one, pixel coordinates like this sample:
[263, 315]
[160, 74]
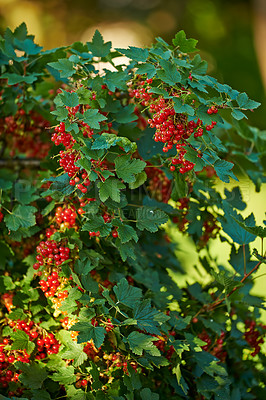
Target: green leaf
[185, 45]
[181, 381]
[125, 232]
[110, 189]
[180, 346]
[74, 352]
[126, 114]
[126, 250]
[14, 79]
[50, 206]
[234, 198]
[18, 313]
[146, 68]
[223, 170]
[209, 364]
[233, 229]
[132, 380]
[180, 107]
[97, 45]
[95, 224]
[84, 163]
[92, 117]
[127, 167]
[127, 294]
[244, 102]
[240, 259]
[40, 394]
[24, 192]
[146, 317]
[69, 99]
[61, 113]
[138, 342]
[65, 67]
[169, 73]
[6, 283]
[33, 375]
[135, 53]
[116, 80]
[28, 46]
[61, 184]
[147, 147]
[21, 341]
[150, 219]
[69, 304]
[238, 115]
[78, 394]
[199, 66]
[147, 394]
[140, 179]
[254, 230]
[20, 217]
[65, 375]
[5, 184]
[107, 140]
[87, 332]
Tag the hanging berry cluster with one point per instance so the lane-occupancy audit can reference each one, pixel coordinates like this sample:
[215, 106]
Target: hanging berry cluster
[158, 185]
[46, 344]
[216, 346]
[172, 128]
[25, 133]
[253, 336]
[51, 252]
[65, 217]
[70, 156]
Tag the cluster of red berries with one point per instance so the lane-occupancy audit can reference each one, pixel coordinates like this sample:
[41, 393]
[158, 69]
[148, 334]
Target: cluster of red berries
[51, 252]
[7, 299]
[50, 286]
[180, 160]
[141, 92]
[24, 134]
[117, 360]
[210, 230]
[216, 348]
[181, 220]
[91, 350]
[159, 185]
[172, 128]
[66, 217]
[50, 231]
[1, 216]
[7, 375]
[212, 110]
[161, 344]
[45, 345]
[62, 137]
[253, 336]
[67, 161]
[70, 156]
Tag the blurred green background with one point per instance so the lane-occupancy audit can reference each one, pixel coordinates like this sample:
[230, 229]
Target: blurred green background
[231, 34]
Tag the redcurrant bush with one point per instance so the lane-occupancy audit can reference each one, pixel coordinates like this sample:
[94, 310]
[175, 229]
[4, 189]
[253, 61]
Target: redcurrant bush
[105, 173]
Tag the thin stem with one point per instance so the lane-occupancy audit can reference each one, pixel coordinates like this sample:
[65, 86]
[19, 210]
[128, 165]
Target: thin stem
[262, 246]
[210, 307]
[245, 264]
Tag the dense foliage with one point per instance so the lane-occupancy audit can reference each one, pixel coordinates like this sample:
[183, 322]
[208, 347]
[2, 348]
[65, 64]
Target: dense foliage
[102, 160]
